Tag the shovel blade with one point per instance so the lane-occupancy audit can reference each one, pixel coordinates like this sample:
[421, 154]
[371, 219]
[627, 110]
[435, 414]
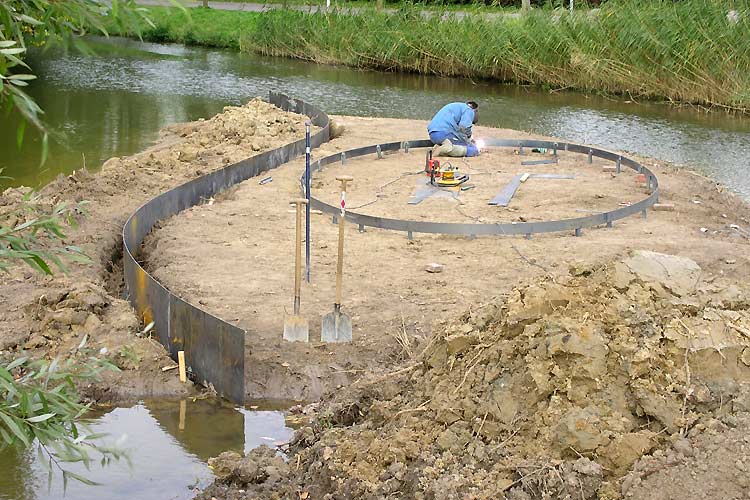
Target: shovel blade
[296, 329]
[336, 327]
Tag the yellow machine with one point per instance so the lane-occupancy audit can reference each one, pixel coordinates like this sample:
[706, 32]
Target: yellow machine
[443, 174]
[448, 177]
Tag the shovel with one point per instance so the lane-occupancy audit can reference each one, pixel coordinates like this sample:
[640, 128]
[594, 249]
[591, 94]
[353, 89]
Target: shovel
[296, 328]
[337, 326]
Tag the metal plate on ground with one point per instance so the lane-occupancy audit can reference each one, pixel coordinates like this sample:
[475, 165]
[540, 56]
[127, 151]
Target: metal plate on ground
[503, 197]
[424, 190]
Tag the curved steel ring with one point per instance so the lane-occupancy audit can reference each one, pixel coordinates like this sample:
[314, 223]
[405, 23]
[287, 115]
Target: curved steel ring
[214, 349]
[474, 229]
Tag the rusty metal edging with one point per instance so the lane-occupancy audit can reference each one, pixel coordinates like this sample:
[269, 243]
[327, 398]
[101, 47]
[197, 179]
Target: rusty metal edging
[520, 228]
[214, 349]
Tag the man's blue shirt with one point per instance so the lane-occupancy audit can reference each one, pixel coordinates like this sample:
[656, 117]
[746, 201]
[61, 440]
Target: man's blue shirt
[455, 118]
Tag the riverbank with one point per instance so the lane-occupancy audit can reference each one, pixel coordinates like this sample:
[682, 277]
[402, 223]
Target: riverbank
[687, 52]
[50, 316]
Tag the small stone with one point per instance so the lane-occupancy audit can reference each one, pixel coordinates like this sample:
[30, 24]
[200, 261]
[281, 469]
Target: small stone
[731, 261]
[92, 324]
[683, 447]
[35, 341]
[456, 344]
[434, 267]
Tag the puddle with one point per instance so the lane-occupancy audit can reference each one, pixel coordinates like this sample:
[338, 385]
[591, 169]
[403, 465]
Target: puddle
[168, 444]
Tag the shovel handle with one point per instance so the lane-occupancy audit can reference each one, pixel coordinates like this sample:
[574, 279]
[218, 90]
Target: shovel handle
[344, 179]
[297, 253]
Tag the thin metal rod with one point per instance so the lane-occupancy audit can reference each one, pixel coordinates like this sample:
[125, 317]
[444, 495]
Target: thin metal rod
[307, 195]
[297, 252]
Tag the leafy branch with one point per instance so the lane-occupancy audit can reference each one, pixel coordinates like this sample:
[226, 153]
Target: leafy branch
[29, 229]
[40, 403]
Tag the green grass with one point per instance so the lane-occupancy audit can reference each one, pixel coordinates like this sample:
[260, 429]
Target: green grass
[205, 27]
[686, 51]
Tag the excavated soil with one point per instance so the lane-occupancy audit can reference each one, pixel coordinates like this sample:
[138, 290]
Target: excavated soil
[50, 316]
[234, 255]
[626, 380]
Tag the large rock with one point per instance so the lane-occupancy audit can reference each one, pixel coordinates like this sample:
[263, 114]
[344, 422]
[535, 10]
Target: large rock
[677, 274]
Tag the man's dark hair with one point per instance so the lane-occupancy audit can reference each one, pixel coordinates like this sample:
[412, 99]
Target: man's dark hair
[472, 104]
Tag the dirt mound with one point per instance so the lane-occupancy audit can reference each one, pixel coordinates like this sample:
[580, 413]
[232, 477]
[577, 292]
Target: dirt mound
[554, 392]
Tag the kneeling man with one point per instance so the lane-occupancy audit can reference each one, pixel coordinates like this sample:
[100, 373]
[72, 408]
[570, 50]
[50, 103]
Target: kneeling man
[450, 129]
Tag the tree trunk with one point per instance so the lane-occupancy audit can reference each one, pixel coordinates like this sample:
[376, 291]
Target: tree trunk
[379, 5]
[526, 4]
[205, 4]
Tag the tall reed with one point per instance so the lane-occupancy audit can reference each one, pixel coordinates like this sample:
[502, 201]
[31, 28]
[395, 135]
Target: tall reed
[686, 51]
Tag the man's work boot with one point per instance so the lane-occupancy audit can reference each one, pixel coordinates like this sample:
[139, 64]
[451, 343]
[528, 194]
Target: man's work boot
[457, 150]
[443, 149]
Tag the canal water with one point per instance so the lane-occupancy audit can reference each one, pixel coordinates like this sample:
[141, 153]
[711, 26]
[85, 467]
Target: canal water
[113, 103]
[168, 444]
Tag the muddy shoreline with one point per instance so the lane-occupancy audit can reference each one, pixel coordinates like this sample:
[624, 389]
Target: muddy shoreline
[420, 337]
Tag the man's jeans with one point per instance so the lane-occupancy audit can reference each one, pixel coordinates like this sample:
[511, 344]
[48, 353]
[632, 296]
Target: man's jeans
[438, 137]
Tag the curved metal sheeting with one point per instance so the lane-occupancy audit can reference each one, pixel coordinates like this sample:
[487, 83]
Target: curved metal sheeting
[520, 228]
[214, 349]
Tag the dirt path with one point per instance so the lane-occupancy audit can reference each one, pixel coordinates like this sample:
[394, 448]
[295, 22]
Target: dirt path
[235, 255]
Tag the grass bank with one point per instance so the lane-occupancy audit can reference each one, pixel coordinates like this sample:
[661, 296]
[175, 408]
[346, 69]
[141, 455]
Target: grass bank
[692, 51]
[205, 27]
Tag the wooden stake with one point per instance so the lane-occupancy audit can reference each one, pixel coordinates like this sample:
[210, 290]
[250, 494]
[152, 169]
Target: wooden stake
[181, 363]
[344, 179]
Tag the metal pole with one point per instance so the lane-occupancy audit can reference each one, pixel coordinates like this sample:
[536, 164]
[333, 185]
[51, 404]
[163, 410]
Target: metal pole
[307, 195]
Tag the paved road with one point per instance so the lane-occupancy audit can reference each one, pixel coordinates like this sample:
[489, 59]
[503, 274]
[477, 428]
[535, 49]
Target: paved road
[263, 7]
[248, 7]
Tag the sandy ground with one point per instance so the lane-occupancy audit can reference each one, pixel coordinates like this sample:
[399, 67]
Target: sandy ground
[384, 187]
[235, 256]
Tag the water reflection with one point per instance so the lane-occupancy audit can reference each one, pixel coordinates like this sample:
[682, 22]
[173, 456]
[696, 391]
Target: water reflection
[167, 442]
[113, 104]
